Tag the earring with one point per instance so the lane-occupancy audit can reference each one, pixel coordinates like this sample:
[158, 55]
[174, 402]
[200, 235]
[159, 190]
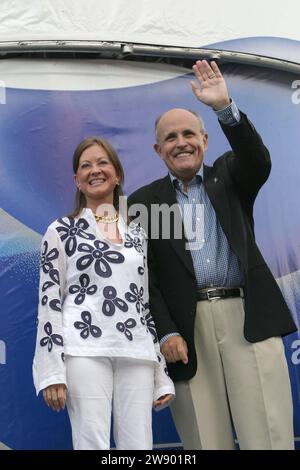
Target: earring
[117, 183]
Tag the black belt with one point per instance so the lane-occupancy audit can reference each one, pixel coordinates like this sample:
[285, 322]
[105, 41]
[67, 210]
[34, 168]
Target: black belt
[219, 293]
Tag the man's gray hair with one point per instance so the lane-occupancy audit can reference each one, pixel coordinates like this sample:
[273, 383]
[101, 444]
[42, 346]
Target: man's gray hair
[201, 122]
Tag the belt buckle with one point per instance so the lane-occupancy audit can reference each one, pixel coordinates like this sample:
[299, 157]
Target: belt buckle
[212, 298]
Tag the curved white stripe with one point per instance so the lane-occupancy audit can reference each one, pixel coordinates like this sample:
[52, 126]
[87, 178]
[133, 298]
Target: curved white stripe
[79, 74]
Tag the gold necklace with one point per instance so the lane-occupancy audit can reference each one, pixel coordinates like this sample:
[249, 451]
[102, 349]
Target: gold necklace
[107, 218]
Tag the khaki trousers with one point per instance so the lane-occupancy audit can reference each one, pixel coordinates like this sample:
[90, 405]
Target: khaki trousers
[240, 384]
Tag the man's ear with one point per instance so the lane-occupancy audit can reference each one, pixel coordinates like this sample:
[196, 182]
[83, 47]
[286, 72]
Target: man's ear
[157, 149]
[205, 141]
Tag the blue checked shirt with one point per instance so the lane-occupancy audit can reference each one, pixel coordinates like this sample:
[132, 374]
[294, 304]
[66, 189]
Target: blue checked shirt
[214, 262]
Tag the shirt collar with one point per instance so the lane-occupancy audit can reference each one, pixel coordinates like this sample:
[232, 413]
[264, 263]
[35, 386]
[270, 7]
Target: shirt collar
[175, 181]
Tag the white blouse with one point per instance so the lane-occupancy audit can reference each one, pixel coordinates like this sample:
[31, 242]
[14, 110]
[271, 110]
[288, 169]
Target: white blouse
[94, 300]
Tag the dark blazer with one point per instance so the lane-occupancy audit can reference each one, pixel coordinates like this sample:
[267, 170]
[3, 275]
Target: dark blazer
[232, 185]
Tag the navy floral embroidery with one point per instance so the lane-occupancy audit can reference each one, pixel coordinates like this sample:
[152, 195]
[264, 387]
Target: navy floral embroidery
[135, 296]
[151, 326]
[54, 304]
[125, 328]
[51, 338]
[101, 255]
[46, 285]
[141, 269]
[136, 229]
[165, 368]
[86, 326]
[54, 275]
[83, 289]
[69, 230]
[47, 258]
[133, 242]
[112, 301]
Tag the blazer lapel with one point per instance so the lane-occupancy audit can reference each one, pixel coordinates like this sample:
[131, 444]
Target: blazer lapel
[165, 194]
[216, 191]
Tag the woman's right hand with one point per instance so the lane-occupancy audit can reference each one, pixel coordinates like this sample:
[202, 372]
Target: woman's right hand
[55, 396]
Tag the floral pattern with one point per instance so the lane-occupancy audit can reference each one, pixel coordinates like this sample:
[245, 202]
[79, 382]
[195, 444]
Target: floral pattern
[101, 255]
[54, 304]
[69, 230]
[151, 326]
[136, 229]
[112, 301]
[86, 326]
[46, 285]
[51, 338]
[82, 289]
[134, 242]
[135, 296]
[47, 258]
[125, 328]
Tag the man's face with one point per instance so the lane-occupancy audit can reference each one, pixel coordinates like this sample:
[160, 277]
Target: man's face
[181, 143]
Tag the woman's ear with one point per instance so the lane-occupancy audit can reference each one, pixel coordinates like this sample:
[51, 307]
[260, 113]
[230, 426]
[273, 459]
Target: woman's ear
[76, 181]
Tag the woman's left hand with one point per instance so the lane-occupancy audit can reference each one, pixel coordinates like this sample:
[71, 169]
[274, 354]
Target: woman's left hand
[163, 401]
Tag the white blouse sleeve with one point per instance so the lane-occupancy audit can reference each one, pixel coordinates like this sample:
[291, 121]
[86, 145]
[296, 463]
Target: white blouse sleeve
[48, 363]
[163, 385]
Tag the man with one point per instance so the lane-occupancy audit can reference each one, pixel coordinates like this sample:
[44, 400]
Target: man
[218, 310]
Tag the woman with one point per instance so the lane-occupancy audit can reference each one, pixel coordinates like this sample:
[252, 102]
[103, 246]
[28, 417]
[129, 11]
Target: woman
[97, 349]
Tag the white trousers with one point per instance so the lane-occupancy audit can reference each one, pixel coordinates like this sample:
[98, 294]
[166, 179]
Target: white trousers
[99, 386]
[237, 382]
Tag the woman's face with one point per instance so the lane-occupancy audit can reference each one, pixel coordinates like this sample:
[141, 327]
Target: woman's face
[96, 176]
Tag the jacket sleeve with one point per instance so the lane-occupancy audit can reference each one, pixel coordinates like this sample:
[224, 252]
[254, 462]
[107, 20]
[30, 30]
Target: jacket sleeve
[160, 312]
[249, 164]
[48, 363]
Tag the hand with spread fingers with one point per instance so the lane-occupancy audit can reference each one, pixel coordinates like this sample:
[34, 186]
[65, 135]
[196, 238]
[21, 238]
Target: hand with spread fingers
[175, 349]
[55, 396]
[213, 89]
